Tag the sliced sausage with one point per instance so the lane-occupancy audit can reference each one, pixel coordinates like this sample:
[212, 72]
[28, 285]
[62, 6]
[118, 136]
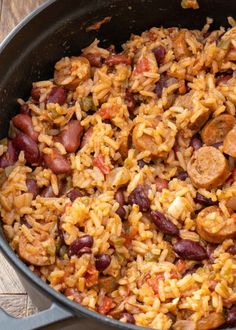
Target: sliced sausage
[71, 135]
[208, 168]
[229, 145]
[70, 72]
[231, 203]
[214, 231]
[186, 101]
[212, 321]
[39, 252]
[147, 142]
[180, 45]
[217, 128]
[144, 142]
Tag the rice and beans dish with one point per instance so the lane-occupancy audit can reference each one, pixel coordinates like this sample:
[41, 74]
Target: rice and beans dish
[118, 179]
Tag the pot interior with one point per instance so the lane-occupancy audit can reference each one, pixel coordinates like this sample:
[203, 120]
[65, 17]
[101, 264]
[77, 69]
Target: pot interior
[30, 53]
[59, 30]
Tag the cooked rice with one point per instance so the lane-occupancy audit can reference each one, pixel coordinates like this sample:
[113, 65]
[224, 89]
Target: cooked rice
[145, 277]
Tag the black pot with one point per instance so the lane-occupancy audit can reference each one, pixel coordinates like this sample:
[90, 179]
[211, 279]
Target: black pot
[28, 54]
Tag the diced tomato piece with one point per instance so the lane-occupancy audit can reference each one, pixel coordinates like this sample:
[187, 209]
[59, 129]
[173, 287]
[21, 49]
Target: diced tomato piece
[105, 306]
[99, 162]
[142, 65]
[105, 113]
[181, 265]
[153, 282]
[129, 236]
[91, 276]
[212, 285]
[108, 112]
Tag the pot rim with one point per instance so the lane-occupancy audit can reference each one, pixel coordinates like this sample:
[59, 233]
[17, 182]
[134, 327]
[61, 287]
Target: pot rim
[12, 257]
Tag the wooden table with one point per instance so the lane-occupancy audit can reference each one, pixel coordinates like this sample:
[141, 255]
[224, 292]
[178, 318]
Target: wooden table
[13, 297]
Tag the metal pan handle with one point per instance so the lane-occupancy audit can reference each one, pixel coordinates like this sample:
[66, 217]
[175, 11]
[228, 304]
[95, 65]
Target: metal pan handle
[44, 318]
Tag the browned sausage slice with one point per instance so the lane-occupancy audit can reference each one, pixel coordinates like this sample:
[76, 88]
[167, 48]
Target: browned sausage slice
[208, 168]
[229, 146]
[212, 321]
[145, 142]
[70, 72]
[180, 45]
[186, 101]
[215, 228]
[217, 128]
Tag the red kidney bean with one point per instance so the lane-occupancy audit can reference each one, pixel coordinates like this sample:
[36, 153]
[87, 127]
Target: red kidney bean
[158, 89]
[119, 197]
[190, 250]
[182, 176]
[24, 109]
[35, 94]
[29, 146]
[127, 317]
[121, 212]
[159, 53]
[111, 49]
[94, 59]
[10, 156]
[141, 163]
[32, 187]
[232, 250]
[200, 199]
[191, 270]
[71, 135]
[161, 184]
[130, 101]
[210, 252]
[217, 144]
[139, 196]
[74, 193]
[223, 77]
[57, 163]
[24, 123]
[81, 245]
[195, 143]
[47, 192]
[160, 85]
[57, 95]
[60, 230]
[164, 224]
[115, 59]
[231, 316]
[164, 81]
[102, 261]
[23, 221]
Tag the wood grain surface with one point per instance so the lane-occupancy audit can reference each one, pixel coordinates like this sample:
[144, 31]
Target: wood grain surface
[13, 297]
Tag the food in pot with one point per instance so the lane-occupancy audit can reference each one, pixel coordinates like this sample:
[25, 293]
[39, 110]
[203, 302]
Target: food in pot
[118, 179]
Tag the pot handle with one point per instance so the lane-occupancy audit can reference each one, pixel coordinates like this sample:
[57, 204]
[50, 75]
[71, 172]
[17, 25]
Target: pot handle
[49, 316]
